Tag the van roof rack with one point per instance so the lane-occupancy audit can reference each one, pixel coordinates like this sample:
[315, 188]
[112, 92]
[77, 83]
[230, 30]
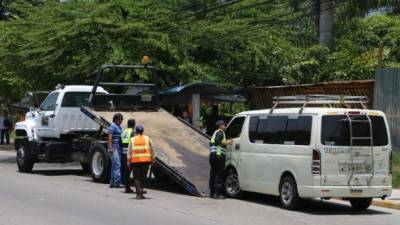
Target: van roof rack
[324, 100]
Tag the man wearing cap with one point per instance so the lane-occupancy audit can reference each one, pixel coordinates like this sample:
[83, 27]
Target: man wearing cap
[140, 156]
[218, 144]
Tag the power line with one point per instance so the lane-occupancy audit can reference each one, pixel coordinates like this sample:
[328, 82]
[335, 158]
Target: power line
[275, 21]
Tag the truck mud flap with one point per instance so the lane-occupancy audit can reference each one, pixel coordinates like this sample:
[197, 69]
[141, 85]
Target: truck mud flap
[181, 151]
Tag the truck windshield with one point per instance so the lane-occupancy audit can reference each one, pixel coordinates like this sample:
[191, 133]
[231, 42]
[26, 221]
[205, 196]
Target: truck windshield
[336, 131]
[75, 99]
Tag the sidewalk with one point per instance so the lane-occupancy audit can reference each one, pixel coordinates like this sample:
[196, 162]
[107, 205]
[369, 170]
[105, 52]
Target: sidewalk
[392, 202]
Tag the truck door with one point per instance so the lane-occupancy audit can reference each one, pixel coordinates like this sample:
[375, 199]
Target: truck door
[70, 118]
[233, 133]
[353, 149]
[45, 116]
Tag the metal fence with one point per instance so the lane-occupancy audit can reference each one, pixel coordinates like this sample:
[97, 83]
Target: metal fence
[387, 99]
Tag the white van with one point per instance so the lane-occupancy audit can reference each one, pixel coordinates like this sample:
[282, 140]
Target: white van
[304, 152]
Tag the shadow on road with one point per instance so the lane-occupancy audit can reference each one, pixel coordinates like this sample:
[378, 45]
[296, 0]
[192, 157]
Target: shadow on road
[167, 186]
[60, 172]
[8, 160]
[154, 184]
[312, 206]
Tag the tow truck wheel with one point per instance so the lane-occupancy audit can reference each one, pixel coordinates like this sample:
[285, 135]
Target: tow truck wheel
[232, 187]
[25, 164]
[360, 203]
[100, 164]
[288, 193]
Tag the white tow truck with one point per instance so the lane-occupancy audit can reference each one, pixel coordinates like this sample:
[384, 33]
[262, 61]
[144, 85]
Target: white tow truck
[70, 126]
[56, 131]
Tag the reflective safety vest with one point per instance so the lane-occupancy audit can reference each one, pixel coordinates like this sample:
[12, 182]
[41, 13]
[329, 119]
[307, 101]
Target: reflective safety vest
[141, 151]
[217, 148]
[126, 135]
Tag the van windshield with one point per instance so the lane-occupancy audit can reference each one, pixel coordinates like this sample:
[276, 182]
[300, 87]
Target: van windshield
[336, 131]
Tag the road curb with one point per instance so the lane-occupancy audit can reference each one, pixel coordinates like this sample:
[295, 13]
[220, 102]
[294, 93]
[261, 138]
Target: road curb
[386, 204]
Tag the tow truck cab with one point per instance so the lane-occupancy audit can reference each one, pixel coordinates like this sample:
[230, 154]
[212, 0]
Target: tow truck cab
[47, 133]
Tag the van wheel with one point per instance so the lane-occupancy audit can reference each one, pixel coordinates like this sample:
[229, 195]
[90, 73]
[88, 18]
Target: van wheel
[24, 162]
[360, 203]
[100, 164]
[288, 193]
[232, 186]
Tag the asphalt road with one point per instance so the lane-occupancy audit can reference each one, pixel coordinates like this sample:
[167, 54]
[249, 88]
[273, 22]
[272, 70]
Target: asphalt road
[62, 194]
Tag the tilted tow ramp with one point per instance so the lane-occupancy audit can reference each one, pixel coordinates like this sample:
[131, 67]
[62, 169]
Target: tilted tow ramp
[181, 151]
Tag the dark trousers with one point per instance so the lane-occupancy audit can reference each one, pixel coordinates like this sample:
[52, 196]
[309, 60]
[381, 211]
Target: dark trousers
[5, 135]
[139, 171]
[125, 172]
[217, 174]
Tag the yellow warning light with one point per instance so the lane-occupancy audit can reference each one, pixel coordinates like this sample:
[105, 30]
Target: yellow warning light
[146, 59]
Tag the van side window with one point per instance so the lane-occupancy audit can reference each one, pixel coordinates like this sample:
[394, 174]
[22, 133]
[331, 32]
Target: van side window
[274, 131]
[298, 130]
[253, 124]
[280, 130]
[235, 128]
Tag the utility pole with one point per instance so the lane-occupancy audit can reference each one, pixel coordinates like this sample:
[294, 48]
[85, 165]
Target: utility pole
[381, 55]
[326, 23]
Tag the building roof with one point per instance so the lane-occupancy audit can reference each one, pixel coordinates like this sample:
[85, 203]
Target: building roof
[203, 88]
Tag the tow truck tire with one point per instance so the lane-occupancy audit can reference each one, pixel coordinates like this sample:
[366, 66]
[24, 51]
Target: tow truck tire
[24, 162]
[232, 186]
[360, 204]
[288, 194]
[100, 164]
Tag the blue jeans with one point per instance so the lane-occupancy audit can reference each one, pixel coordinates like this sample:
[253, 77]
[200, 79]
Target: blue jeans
[5, 135]
[115, 166]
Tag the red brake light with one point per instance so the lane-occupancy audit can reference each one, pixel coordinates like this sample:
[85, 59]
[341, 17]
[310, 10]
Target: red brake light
[316, 163]
[315, 155]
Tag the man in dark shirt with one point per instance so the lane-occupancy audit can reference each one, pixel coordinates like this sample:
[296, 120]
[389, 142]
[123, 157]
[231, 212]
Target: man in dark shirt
[5, 126]
[218, 144]
[126, 137]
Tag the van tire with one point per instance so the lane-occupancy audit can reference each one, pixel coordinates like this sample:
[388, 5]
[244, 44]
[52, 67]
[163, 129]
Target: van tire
[100, 164]
[360, 204]
[24, 162]
[232, 186]
[288, 194]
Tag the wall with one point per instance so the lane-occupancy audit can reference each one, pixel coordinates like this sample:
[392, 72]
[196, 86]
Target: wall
[387, 99]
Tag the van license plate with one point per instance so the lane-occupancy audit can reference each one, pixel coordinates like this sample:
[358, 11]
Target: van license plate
[355, 191]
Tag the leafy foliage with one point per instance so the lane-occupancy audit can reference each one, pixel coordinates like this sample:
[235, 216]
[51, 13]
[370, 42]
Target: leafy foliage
[238, 43]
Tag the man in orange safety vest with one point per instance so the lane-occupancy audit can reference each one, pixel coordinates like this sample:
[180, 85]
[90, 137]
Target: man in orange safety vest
[140, 156]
